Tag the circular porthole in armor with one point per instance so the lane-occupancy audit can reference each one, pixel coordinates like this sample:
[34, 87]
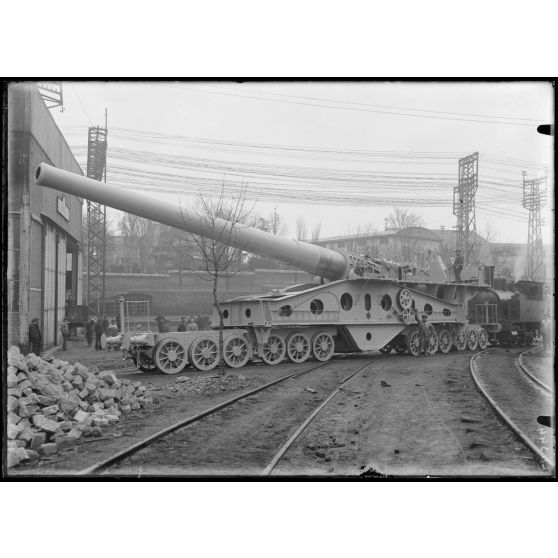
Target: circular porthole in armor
[367, 302]
[428, 309]
[346, 301]
[316, 306]
[368, 336]
[225, 314]
[446, 312]
[285, 311]
[248, 312]
[386, 302]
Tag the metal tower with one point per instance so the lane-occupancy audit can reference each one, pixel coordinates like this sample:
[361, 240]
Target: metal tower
[534, 198]
[96, 220]
[464, 206]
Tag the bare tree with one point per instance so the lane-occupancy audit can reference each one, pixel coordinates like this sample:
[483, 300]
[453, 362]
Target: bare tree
[220, 218]
[400, 220]
[316, 232]
[300, 229]
[138, 233]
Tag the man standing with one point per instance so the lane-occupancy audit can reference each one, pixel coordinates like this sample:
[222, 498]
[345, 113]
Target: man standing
[424, 334]
[65, 331]
[160, 319]
[182, 324]
[89, 331]
[35, 337]
[192, 326]
[99, 328]
[458, 266]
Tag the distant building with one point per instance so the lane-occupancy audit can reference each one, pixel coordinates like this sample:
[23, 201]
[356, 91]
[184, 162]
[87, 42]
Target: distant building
[44, 245]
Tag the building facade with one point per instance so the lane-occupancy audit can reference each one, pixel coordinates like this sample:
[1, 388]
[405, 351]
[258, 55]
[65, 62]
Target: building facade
[44, 245]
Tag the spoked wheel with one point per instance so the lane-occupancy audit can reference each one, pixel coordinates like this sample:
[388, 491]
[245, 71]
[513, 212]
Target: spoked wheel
[237, 352]
[461, 340]
[444, 341]
[483, 338]
[323, 346]
[170, 356]
[274, 350]
[405, 299]
[472, 340]
[413, 342]
[432, 343]
[386, 349]
[204, 354]
[298, 347]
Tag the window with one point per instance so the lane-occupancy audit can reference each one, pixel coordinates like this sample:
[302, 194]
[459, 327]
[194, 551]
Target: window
[446, 312]
[346, 301]
[386, 302]
[316, 306]
[248, 312]
[368, 336]
[428, 309]
[285, 311]
[225, 314]
[367, 302]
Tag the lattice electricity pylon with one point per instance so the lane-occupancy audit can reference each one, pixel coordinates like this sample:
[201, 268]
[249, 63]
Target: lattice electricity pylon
[464, 206]
[534, 198]
[51, 92]
[96, 220]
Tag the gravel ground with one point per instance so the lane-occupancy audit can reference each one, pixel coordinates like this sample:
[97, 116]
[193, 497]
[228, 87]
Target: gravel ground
[541, 365]
[518, 396]
[426, 418]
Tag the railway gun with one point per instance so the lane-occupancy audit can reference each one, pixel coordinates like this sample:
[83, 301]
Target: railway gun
[357, 303]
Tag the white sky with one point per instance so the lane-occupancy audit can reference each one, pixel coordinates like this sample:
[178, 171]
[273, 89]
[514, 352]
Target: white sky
[305, 115]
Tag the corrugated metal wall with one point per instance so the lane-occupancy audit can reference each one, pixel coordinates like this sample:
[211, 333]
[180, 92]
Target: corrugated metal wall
[49, 302]
[61, 280]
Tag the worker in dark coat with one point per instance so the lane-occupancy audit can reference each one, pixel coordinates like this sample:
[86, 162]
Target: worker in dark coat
[99, 329]
[106, 324]
[89, 332]
[182, 324]
[35, 337]
[458, 266]
[164, 326]
[160, 319]
[424, 329]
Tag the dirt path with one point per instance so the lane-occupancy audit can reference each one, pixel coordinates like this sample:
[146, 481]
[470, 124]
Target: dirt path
[429, 420]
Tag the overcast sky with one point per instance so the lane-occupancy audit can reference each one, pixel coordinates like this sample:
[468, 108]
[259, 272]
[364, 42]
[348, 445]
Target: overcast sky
[156, 133]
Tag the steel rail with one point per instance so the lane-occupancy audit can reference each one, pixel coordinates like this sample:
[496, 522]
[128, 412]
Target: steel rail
[531, 376]
[284, 448]
[518, 432]
[190, 420]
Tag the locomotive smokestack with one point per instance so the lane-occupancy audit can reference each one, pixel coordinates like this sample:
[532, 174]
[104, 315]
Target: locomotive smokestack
[313, 259]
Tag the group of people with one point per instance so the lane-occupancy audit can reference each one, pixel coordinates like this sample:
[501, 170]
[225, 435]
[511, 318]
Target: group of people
[197, 323]
[95, 327]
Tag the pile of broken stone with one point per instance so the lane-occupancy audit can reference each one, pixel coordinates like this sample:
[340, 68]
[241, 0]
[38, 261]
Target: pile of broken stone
[52, 404]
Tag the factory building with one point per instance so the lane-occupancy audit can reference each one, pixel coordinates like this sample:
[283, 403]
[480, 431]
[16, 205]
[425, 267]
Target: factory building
[44, 245]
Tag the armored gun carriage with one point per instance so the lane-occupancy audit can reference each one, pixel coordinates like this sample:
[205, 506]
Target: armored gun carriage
[358, 303]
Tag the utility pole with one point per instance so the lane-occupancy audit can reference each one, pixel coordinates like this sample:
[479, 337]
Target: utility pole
[534, 198]
[464, 206]
[96, 219]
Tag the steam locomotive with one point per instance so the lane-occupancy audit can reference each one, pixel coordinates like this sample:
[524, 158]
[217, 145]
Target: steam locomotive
[511, 312]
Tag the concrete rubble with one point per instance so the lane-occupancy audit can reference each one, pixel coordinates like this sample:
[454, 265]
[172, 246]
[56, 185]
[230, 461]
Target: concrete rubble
[52, 404]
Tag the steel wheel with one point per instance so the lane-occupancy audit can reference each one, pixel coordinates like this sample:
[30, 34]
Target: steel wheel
[323, 346]
[405, 299]
[298, 347]
[413, 342]
[472, 340]
[237, 352]
[170, 356]
[483, 338]
[461, 340]
[274, 350]
[204, 354]
[432, 343]
[444, 341]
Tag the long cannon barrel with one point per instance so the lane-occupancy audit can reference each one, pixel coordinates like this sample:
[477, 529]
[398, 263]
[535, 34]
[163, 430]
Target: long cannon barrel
[313, 259]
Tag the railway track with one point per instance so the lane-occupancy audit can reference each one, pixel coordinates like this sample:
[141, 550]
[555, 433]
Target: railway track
[119, 457]
[530, 374]
[517, 400]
